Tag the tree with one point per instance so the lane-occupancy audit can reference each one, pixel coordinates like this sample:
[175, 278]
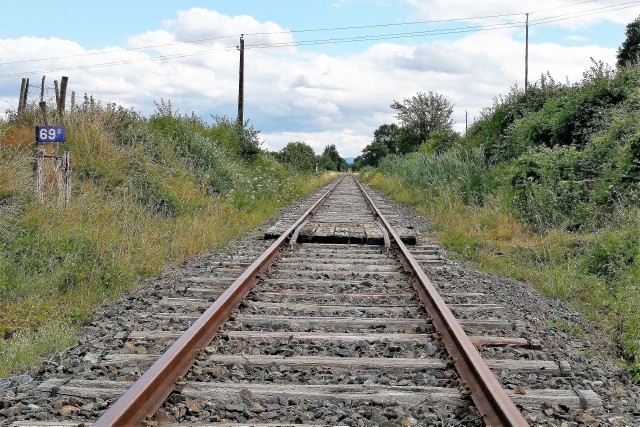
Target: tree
[388, 135]
[385, 141]
[420, 116]
[629, 51]
[299, 155]
[330, 156]
[325, 163]
[373, 153]
[358, 163]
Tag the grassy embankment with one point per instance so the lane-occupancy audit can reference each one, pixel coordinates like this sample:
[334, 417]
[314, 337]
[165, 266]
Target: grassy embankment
[147, 192]
[545, 188]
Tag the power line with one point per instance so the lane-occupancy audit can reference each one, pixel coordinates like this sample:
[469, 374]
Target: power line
[589, 12]
[352, 39]
[392, 36]
[309, 30]
[275, 45]
[563, 7]
[131, 49]
[122, 62]
[446, 31]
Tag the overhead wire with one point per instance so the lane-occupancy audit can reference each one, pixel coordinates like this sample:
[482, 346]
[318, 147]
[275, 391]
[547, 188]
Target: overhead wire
[235, 36]
[584, 13]
[354, 27]
[313, 42]
[445, 31]
[563, 6]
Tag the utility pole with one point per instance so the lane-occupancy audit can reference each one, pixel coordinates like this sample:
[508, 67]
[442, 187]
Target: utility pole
[241, 84]
[526, 55]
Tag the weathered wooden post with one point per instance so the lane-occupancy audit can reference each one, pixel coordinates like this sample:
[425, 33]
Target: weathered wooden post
[42, 89]
[39, 169]
[25, 95]
[66, 177]
[43, 109]
[63, 95]
[22, 87]
[57, 91]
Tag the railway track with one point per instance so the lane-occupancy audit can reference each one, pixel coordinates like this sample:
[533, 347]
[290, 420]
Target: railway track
[344, 328]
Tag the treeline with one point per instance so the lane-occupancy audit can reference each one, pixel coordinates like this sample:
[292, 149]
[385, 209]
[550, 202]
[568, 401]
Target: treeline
[302, 157]
[545, 186]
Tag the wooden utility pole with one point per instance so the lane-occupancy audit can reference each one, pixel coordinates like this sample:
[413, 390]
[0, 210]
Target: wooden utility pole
[466, 122]
[241, 84]
[526, 55]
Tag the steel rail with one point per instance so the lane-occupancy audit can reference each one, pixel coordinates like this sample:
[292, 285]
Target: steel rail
[493, 403]
[150, 391]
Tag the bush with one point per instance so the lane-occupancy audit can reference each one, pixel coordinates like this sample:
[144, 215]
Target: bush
[490, 130]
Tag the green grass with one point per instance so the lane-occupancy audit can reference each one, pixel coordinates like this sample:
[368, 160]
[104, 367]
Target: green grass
[545, 187]
[559, 263]
[147, 193]
[27, 347]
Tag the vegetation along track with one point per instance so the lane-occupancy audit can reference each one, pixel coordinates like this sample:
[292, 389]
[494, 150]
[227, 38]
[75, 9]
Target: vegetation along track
[335, 332]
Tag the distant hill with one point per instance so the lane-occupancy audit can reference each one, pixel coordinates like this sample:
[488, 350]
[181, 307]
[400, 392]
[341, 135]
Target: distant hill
[349, 160]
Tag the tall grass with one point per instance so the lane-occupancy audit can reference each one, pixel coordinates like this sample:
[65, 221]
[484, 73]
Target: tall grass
[597, 271]
[556, 200]
[147, 194]
[460, 168]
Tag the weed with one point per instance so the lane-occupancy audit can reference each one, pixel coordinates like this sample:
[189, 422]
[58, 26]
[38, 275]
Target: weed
[570, 327]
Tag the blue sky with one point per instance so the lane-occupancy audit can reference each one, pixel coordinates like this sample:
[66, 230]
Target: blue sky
[319, 93]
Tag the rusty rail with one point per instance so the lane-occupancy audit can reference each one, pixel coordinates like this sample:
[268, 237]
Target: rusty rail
[496, 408]
[148, 393]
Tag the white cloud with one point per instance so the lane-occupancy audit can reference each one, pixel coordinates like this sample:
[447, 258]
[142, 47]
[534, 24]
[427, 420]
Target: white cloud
[293, 95]
[577, 38]
[564, 13]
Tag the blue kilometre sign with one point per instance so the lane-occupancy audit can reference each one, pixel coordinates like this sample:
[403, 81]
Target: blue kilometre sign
[50, 133]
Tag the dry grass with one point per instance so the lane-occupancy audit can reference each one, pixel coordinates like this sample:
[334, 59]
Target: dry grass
[499, 243]
[57, 265]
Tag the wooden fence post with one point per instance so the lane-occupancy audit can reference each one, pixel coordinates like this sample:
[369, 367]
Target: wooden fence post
[20, 107]
[57, 90]
[25, 95]
[43, 109]
[63, 95]
[39, 158]
[66, 178]
[42, 89]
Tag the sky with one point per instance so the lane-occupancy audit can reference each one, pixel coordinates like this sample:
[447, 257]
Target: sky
[317, 71]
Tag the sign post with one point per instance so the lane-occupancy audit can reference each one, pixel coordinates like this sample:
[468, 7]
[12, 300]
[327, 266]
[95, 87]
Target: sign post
[61, 164]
